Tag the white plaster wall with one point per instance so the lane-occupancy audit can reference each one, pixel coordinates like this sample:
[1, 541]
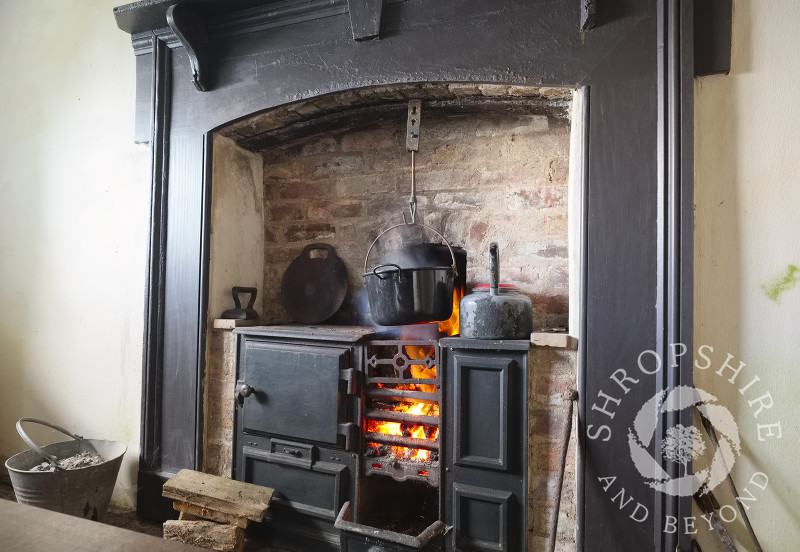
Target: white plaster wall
[74, 209]
[747, 235]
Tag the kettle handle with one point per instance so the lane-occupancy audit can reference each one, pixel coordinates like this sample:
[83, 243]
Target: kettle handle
[494, 269]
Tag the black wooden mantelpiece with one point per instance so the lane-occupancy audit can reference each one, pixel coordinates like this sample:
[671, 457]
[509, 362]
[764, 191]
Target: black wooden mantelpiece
[637, 67]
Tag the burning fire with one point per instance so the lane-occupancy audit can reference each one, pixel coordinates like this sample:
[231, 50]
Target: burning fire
[451, 326]
[416, 408]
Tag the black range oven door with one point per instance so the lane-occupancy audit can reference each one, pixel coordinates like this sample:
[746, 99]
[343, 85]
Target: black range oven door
[296, 391]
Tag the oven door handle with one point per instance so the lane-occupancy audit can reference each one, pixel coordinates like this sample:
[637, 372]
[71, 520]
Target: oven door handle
[242, 391]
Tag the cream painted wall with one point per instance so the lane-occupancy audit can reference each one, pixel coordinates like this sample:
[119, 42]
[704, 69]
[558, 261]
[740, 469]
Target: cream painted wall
[237, 226]
[747, 235]
[74, 210]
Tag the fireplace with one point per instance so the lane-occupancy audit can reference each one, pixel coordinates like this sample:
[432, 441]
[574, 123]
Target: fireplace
[492, 166]
[205, 66]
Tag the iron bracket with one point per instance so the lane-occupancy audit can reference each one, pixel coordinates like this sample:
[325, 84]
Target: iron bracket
[412, 145]
[191, 32]
[413, 126]
[365, 18]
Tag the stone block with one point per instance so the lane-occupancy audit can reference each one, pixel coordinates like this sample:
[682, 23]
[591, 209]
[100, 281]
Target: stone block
[303, 189]
[506, 126]
[220, 416]
[552, 388]
[218, 459]
[335, 165]
[558, 171]
[219, 389]
[365, 185]
[386, 162]
[282, 211]
[535, 199]
[553, 224]
[466, 201]
[516, 175]
[305, 108]
[547, 423]
[446, 129]
[281, 169]
[382, 138]
[324, 144]
[221, 354]
[332, 209]
[550, 457]
[478, 239]
[550, 305]
[306, 232]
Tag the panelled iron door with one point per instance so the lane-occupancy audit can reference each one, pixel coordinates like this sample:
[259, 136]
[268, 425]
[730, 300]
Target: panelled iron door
[486, 473]
[294, 391]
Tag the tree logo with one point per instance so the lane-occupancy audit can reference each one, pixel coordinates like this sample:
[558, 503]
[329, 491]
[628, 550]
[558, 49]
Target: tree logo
[683, 444]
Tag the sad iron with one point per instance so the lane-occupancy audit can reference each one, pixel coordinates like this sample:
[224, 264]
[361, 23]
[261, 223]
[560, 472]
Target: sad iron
[239, 313]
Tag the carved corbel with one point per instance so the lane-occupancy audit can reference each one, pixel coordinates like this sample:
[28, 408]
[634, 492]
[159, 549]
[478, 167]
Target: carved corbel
[191, 32]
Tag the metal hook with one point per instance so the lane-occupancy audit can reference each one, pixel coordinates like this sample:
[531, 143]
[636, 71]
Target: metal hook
[412, 201]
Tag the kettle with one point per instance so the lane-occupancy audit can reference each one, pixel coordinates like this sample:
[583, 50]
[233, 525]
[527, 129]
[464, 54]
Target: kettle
[496, 311]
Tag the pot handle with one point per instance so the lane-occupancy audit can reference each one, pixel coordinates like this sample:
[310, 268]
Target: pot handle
[452, 255]
[378, 274]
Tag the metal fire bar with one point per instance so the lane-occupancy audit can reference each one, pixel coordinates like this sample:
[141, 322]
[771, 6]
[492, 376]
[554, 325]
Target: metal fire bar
[388, 366]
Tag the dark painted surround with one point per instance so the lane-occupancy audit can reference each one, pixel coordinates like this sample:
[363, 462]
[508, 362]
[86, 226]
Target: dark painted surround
[636, 65]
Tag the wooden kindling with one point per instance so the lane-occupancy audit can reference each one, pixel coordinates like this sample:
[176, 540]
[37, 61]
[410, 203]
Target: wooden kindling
[214, 510]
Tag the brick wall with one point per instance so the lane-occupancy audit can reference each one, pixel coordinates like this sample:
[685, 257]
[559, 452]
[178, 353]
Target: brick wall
[480, 177]
[218, 402]
[552, 374]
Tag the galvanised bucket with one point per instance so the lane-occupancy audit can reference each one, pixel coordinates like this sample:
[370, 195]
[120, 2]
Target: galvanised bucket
[82, 492]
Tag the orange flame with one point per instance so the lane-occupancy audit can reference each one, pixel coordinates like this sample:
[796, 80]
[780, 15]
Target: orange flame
[451, 326]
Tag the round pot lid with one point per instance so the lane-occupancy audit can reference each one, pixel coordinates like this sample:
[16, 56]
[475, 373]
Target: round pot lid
[315, 284]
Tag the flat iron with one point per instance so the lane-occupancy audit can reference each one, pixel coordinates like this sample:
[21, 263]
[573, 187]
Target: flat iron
[239, 313]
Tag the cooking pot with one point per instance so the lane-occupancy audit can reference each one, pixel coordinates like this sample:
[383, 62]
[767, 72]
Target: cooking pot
[400, 295]
[496, 311]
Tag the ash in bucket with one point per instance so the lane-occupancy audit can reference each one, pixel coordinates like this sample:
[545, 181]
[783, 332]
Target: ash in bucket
[81, 460]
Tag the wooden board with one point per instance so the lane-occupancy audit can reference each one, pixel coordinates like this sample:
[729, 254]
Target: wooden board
[219, 493]
[194, 512]
[206, 534]
[27, 529]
